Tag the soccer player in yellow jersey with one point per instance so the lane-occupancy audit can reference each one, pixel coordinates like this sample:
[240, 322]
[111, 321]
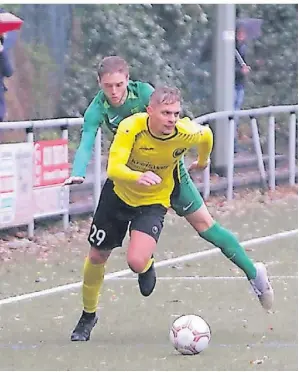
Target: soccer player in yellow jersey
[142, 179]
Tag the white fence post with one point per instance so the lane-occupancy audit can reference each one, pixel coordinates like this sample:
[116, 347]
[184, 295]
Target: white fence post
[292, 149]
[271, 152]
[66, 216]
[230, 160]
[258, 151]
[30, 139]
[97, 169]
[206, 182]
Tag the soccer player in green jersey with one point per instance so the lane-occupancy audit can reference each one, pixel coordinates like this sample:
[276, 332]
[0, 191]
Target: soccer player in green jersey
[119, 98]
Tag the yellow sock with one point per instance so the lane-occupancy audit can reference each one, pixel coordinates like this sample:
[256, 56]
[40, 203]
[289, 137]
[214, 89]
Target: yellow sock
[148, 265]
[93, 277]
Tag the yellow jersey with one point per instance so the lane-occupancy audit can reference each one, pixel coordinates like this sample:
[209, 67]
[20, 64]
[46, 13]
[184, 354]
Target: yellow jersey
[136, 150]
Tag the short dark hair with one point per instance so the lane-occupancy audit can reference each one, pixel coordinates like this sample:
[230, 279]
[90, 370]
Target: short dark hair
[112, 64]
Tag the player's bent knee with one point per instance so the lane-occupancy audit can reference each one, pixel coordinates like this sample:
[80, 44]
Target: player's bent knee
[98, 257]
[141, 247]
[137, 264]
[201, 220]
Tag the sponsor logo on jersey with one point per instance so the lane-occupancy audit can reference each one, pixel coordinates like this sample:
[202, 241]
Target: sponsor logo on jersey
[146, 148]
[146, 165]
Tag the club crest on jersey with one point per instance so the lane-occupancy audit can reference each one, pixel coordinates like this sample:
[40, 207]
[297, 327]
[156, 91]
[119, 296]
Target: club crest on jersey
[178, 152]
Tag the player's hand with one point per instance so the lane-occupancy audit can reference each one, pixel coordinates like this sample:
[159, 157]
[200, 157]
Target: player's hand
[149, 178]
[246, 69]
[196, 166]
[73, 181]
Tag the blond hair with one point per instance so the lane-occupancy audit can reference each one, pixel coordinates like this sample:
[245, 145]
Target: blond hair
[165, 95]
[112, 64]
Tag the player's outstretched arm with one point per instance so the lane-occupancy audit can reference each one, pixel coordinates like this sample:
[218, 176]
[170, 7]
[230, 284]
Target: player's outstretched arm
[92, 121]
[195, 165]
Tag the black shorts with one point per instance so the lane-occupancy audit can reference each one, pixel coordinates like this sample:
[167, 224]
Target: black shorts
[113, 216]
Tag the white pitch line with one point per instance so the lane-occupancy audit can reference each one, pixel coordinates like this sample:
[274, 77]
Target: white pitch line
[171, 261]
[206, 278]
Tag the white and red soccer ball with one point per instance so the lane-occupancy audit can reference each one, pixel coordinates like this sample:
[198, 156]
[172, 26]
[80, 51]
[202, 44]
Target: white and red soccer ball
[190, 334]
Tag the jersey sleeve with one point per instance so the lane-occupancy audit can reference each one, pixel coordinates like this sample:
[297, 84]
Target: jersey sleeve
[93, 118]
[120, 151]
[146, 91]
[203, 140]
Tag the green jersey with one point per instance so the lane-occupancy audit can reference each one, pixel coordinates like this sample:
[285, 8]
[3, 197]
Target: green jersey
[101, 114]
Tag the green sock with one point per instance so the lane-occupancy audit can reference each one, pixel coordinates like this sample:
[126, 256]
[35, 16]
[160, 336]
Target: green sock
[230, 247]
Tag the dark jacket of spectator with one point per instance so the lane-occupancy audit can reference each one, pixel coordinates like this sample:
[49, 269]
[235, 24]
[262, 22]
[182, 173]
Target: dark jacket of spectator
[241, 46]
[239, 74]
[6, 70]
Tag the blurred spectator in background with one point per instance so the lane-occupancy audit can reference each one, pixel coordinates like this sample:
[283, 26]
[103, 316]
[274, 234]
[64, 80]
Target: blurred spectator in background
[5, 71]
[247, 29]
[241, 72]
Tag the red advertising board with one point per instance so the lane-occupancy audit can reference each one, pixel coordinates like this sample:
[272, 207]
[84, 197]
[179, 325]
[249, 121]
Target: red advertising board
[51, 162]
[51, 169]
[46, 165]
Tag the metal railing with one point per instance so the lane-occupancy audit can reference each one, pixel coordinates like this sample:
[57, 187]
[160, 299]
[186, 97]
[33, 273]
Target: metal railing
[268, 178]
[252, 114]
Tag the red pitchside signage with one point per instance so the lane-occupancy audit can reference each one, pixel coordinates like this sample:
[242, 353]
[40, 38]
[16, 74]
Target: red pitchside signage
[51, 162]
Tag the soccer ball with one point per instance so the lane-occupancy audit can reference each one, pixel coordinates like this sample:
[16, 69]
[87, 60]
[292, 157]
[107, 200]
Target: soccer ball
[190, 334]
